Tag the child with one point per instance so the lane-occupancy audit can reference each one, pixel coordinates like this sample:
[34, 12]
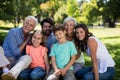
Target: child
[39, 66]
[63, 56]
[3, 61]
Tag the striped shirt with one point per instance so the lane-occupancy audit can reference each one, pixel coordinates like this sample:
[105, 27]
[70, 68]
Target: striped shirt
[11, 44]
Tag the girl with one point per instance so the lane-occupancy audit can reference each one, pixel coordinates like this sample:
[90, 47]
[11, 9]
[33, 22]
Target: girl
[102, 63]
[38, 52]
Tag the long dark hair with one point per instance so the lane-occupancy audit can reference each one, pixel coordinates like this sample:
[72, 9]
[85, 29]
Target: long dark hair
[82, 44]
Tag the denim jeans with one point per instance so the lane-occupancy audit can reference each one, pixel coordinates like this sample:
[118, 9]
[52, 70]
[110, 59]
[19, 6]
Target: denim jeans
[68, 76]
[33, 73]
[86, 74]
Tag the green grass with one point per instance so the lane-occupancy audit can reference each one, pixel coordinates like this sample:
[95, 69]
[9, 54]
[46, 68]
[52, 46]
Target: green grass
[109, 36]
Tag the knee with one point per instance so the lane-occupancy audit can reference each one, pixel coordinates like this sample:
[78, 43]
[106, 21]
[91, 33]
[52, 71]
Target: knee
[33, 76]
[88, 77]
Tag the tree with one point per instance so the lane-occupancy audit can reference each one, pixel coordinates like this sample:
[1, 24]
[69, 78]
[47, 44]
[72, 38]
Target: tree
[111, 11]
[72, 8]
[7, 10]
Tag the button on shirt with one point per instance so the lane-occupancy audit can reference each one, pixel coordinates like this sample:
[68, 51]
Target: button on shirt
[12, 42]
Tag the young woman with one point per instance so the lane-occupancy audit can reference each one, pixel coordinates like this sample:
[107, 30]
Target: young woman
[102, 63]
[38, 52]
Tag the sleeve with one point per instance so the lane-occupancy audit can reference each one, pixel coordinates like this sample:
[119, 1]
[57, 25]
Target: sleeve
[27, 50]
[45, 50]
[12, 43]
[52, 53]
[73, 50]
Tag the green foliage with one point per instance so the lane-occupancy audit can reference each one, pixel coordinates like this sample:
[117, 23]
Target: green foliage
[110, 11]
[72, 8]
[7, 10]
[60, 15]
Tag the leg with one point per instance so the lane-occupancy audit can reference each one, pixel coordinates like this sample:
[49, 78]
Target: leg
[83, 71]
[108, 75]
[37, 73]
[25, 74]
[51, 75]
[77, 66]
[69, 75]
[22, 64]
[3, 60]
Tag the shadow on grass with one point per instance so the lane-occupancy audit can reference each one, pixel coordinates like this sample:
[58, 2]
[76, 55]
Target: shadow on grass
[115, 37]
[115, 50]
[2, 36]
[5, 28]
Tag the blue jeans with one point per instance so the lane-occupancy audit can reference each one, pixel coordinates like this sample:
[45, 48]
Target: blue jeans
[33, 73]
[86, 74]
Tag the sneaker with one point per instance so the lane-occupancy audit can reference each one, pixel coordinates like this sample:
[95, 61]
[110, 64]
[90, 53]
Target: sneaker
[7, 76]
[52, 77]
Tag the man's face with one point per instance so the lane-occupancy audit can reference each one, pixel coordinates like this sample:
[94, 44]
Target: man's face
[28, 25]
[47, 28]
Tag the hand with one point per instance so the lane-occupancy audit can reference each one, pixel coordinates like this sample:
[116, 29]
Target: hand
[57, 72]
[63, 71]
[28, 38]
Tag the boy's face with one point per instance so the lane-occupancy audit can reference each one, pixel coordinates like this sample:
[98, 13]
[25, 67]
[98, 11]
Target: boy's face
[60, 35]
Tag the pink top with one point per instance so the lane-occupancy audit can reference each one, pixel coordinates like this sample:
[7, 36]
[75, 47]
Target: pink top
[37, 55]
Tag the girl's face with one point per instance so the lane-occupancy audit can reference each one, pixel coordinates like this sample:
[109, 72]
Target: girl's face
[60, 35]
[37, 39]
[80, 33]
[69, 26]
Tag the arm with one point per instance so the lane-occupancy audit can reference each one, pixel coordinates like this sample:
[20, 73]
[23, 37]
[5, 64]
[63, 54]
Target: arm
[12, 43]
[46, 62]
[22, 46]
[92, 44]
[64, 70]
[55, 66]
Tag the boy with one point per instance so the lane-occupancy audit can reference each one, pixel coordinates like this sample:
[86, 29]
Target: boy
[63, 56]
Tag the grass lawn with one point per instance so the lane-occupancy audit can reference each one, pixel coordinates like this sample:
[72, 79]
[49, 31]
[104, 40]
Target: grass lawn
[109, 36]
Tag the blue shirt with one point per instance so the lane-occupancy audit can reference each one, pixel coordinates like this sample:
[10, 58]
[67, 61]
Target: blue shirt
[50, 41]
[12, 42]
[63, 53]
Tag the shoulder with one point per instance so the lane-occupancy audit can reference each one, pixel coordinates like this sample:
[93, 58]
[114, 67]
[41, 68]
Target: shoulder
[14, 30]
[43, 47]
[70, 42]
[92, 41]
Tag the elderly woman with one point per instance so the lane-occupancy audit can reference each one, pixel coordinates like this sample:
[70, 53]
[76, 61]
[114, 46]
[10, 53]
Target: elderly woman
[70, 24]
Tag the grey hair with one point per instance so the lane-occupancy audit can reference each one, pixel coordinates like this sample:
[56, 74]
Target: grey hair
[69, 18]
[32, 17]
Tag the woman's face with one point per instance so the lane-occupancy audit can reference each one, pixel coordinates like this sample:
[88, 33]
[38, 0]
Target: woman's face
[80, 33]
[69, 26]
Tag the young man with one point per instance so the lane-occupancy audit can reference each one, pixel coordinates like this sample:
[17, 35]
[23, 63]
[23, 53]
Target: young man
[14, 47]
[49, 39]
[63, 54]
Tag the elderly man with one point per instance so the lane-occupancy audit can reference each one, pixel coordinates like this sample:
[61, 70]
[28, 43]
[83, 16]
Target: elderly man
[14, 47]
